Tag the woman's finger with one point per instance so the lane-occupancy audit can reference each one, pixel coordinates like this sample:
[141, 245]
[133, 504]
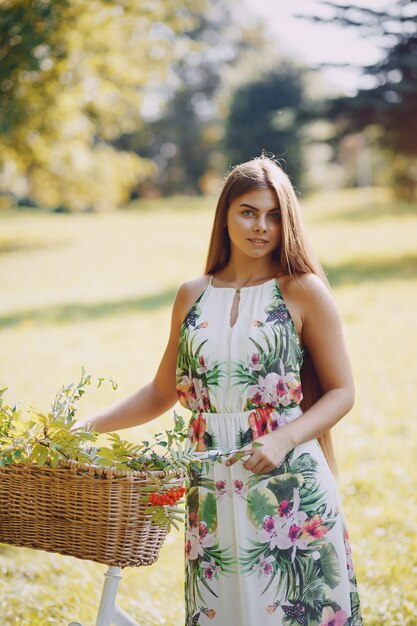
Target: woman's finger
[261, 468]
[256, 465]
[240, 454]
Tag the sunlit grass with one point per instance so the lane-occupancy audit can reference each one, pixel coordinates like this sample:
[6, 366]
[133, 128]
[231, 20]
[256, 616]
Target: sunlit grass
[96, 290]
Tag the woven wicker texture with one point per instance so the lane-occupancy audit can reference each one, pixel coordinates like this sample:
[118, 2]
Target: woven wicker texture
[88, 512]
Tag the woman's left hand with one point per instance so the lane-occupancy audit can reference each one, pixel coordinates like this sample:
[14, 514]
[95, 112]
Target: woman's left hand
[269, 453]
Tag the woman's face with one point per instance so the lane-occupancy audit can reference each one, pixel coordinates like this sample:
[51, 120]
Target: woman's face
[254, 223]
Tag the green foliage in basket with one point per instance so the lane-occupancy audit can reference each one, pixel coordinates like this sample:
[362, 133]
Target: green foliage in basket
[46, 439]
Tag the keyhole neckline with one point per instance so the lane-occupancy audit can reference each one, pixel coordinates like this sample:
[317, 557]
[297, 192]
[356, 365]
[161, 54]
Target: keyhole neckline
[239, 289]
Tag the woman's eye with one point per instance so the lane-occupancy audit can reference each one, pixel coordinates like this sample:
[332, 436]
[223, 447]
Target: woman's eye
[274, 216]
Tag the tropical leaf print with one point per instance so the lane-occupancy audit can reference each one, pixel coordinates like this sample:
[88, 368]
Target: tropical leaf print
[313, 497]
[209, 441]
[329, 565]
[244, 437]
[306, 464]
[356, 618]
[282, 486]
[313, 592]
[261, 503]
[208, 511]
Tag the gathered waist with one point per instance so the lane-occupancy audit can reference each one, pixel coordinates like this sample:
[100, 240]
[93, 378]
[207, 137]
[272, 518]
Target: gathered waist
[232, 430]
[284, 411]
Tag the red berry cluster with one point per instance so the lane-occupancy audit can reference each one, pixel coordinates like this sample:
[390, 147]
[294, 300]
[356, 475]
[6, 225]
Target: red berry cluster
[168, 497]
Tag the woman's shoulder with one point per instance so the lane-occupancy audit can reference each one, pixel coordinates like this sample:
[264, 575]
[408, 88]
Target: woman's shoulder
[193, 285]
[305, 283]
[188, 292]
[307, 291]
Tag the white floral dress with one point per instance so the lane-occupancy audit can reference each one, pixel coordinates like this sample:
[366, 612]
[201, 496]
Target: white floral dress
[270, 549]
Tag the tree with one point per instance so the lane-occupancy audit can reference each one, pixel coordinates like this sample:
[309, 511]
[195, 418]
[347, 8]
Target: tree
[390, 103]
[73, 77]
[264, 114]
[185, 139]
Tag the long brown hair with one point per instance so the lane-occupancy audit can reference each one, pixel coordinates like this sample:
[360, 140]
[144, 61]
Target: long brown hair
[295, 253]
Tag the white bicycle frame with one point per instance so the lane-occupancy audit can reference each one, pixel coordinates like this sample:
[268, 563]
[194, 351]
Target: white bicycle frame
[109, 614]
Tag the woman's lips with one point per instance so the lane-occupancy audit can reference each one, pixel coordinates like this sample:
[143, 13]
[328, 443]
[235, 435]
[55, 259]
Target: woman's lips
[258, 242]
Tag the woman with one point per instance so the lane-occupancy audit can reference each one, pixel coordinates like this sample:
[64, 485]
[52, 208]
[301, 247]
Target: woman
[256, 352]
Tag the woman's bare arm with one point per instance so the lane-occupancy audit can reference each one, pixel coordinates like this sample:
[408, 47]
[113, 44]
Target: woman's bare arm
[160, 394]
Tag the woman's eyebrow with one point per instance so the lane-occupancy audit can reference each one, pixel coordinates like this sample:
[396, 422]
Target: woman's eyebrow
[255, 209]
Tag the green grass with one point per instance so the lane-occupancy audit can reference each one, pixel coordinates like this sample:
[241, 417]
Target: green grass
[96, 290]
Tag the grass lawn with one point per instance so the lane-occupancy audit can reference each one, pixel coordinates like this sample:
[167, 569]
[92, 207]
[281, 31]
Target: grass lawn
[96, 290]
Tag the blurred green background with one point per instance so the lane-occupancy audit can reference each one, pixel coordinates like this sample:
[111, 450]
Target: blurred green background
[118, 121]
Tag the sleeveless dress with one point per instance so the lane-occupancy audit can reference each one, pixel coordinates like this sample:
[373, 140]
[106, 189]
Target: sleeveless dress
[260, 549]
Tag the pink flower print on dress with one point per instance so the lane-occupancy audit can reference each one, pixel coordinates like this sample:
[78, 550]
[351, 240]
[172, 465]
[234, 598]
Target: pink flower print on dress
[184, 390]
[258, 424]
[273, 424]
[187, 548]
[193, 520]
[199, 399]
[257, 323]
[198, 428]
[284, 508]
[270, 393]
[276, 389]
[254, 364]
[210, 569]
[262, 421]
[197, 539]
[292, 386]
[296, 394]
[192, 393]
[257, 398]
[348, 550]
[330, 618]
[220, 487]
[264, 565]
[294, 532]
[203, 365]
[239, 487]
[273, 389]
[284, 532]
[274, 533]
[313, 528]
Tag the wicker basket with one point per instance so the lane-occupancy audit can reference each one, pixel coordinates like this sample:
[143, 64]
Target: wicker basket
[85, 511]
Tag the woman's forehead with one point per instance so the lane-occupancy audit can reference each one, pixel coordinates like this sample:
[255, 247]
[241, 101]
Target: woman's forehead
[258, 199]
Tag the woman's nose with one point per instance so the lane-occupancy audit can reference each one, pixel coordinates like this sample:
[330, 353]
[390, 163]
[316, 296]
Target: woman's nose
[260, 224]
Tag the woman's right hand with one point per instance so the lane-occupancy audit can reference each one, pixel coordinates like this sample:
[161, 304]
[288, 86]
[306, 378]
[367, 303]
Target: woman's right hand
[84, 424]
